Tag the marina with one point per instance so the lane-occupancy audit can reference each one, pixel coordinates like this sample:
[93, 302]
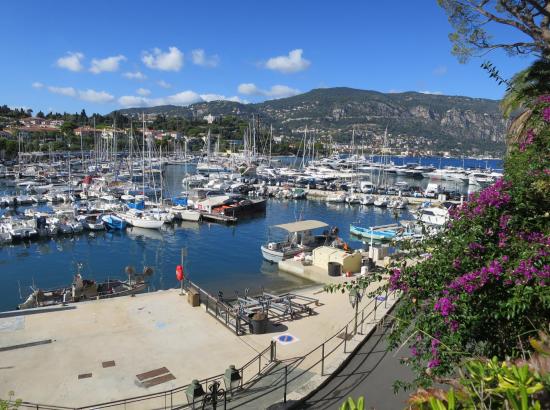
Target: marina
[50, 261]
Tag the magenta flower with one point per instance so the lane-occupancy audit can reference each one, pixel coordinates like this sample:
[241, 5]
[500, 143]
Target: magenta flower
[444, 306]
[457, 264]
[546, 114]
[433, 363]
[454, 326]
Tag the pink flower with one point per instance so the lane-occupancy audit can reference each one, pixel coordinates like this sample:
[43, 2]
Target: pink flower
[444, 306]
[433, 363]
[546, 114]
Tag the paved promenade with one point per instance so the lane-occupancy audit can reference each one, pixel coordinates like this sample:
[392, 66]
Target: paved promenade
[371, 374]
[95, 352]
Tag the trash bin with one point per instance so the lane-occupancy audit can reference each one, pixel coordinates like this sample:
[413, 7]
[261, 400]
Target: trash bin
[334, 269]
[193, 297]
[258, 323]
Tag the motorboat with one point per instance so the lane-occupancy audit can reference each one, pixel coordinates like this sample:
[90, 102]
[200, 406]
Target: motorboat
[299, 239]
[91, 222]
[382, 233]
[113, 222]
[433, 215]
[85, 289]
[381, 201]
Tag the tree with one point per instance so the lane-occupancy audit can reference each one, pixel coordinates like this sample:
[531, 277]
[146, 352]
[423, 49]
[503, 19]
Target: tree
[40, 114]
[68, 127]
[471, 20]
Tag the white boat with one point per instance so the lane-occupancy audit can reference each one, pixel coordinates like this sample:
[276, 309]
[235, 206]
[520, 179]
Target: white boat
[141, 219]
[5, 237]
[381, 201]
[19, 228]
[433, 215]
[367, 200]
[353, 199]
[185, 214]
[336, 198]
[91, 222]
[300, 239]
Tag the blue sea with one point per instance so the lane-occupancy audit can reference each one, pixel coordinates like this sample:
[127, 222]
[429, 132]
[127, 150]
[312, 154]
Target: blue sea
[219, 257]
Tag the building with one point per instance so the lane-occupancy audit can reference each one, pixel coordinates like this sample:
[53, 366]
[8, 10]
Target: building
[84, 131]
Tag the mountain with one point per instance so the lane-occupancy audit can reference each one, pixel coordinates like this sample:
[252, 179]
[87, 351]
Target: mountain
[439, 121]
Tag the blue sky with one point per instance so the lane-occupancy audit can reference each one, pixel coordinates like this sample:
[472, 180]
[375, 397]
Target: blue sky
[104, 55]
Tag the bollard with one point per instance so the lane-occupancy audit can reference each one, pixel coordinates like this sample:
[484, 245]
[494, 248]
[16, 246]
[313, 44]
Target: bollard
[346, 339]
[286, 377]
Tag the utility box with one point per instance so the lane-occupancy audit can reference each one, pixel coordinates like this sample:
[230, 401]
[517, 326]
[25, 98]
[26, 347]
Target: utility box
[193, 298]
[378, 253]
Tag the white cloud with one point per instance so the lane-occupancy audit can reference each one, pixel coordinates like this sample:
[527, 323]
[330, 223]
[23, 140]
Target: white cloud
[133, 101]
[288, 64]
[67, 91]
[394, 91]
[199, 57]
[85, 95]
[182, 98]
[144, 92]
[172, 60]
[71, 62]
[106, 64]
[137, 75]
[220, 97]
[37, 84]
[164, 84]
[95, 96]
[431, 92]
[440, 70]
[248, 89]
[276, 91]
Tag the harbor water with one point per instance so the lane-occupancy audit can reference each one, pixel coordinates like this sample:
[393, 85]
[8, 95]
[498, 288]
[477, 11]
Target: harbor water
[219, 257]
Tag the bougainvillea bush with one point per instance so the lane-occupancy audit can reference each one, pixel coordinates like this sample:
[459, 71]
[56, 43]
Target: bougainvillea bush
[482, 288]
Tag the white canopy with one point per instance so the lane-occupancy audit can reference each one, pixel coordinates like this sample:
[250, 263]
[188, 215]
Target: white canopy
[302, 226]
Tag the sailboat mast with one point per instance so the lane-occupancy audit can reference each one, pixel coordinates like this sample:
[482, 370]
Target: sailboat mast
[270, 141]
[143, 155]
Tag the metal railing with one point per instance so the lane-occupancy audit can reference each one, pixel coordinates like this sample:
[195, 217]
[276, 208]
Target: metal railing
[285, 372]
[298, 367]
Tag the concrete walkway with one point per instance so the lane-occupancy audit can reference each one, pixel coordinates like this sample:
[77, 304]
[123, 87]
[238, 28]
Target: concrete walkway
[95, 352]
[370, 373]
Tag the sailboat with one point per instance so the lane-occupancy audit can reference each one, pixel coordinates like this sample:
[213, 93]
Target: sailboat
[180, 207]
[140, 217]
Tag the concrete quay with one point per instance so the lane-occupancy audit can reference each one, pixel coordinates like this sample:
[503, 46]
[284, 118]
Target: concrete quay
[93, 353]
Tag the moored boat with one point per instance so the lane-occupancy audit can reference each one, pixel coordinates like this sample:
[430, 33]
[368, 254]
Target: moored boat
[300, 239]
[84, 289]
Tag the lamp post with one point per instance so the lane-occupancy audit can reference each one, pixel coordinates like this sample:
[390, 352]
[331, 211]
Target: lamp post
[232, 379]
[193, 392]
[355, 296]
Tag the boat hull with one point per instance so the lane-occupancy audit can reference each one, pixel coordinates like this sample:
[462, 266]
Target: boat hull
[276, 256]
